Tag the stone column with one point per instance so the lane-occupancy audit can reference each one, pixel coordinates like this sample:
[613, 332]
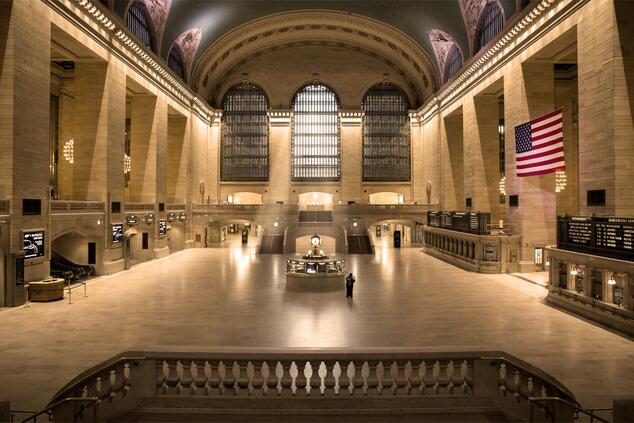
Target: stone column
[431, 150]
[177, 158]
[279, 157]
[351, 156]
[606, 92]
[529, 92]
[213, 195]
[66, 133]
[452, 163]
[418, 180]
[25, 43]
[481, 153]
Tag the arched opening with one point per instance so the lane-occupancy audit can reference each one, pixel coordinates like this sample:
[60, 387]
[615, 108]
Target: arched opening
[386, 198]
[386, 134]
[245, 198]
[139, 23]
[245, 135]
[490, 24]
[315, 150]
[453, 62]
[315, 201]
[383, 233]
[175, 62]
[77, 253]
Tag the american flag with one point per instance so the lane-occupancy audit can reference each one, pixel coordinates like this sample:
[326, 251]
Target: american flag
[539, 145]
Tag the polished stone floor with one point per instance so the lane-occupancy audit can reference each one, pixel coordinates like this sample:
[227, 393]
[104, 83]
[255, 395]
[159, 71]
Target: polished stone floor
[232, 297]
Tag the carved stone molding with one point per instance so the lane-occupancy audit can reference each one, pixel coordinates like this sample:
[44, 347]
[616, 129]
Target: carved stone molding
[315, 27]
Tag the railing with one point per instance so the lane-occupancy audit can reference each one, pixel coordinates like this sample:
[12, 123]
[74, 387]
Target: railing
[594, 303]
[591, 412]
[49, 409]
[382, 208]
[175, 206]
[300, 375]
[74, 206]
[137, 207]
[277, 209]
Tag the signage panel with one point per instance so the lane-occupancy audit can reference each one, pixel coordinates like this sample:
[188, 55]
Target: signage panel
[117, 233]
[33, 244]
[162, 227]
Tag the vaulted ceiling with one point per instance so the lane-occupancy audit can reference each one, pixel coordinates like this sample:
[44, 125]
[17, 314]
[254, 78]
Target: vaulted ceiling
[197, 25]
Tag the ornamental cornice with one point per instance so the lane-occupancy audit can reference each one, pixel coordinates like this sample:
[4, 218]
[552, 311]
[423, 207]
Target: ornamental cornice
[321, 24]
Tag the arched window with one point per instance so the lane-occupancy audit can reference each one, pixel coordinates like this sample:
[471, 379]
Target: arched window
[490, 25]
[175, 62]
[139, 23]
[386, 135]
[245, 134]
[315, 149]
[453, 63]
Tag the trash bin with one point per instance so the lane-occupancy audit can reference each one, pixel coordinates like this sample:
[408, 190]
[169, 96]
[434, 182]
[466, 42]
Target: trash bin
[14, 292]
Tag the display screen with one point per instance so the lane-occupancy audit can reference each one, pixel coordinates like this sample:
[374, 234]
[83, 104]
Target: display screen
[33, 244]
[117, 233]
[162, 227]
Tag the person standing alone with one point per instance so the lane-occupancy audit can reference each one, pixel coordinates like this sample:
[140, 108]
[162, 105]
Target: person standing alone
[349, 285]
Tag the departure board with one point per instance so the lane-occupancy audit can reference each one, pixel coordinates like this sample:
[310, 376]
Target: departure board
[460, 221]
[601, 235]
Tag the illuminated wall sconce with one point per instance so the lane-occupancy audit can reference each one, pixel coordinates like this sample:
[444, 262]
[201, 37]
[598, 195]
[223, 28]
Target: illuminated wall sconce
[276, 224]
[230, 199]
[574, 272]
[612, 281]
[69, 151]
[560, 180]
[502, 185]
[127, 163]
[547, 262]
[355, 223]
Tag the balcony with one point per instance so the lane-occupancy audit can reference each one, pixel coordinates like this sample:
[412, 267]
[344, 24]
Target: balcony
[77, 207]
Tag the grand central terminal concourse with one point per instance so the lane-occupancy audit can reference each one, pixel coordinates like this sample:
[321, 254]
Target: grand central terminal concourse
[317, 211]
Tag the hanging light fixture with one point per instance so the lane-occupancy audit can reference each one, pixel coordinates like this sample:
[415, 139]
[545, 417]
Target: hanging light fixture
[502, 185]
[127, 163]
[69, 151]
[560, 180]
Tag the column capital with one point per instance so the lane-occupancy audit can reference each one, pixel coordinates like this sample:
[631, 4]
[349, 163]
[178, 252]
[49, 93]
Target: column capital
[351, 117]
[280, 117]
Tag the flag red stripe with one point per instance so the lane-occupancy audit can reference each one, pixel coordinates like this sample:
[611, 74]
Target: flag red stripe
[546, 135]
[542, 154]
[546, 116]
[541, 172]
[549, 124]
[544, 163]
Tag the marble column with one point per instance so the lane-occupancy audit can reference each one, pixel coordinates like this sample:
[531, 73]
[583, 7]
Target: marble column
[279, 157]
[351, 156]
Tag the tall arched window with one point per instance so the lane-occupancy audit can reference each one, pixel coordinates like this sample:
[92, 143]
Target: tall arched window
[315, 149]
[175, 62]
[138, 22]
[453, 63]
[386, 134]
[245, 135]
[490, 25]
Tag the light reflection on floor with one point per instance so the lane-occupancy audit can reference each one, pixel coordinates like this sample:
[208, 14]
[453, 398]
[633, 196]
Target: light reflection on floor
[231, 296]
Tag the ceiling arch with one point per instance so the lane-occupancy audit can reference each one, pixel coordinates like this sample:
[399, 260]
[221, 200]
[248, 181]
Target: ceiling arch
[316, 27]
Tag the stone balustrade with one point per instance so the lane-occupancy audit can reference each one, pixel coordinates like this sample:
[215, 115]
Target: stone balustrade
[478, 253]
[138, 207]
[320, 378]
[175, 206]
[74, 206]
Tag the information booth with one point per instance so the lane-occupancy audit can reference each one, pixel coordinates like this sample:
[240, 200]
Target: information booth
[315, 271]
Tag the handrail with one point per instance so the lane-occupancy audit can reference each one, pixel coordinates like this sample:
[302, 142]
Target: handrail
[553, 381]
[50, 407]
[576, 407]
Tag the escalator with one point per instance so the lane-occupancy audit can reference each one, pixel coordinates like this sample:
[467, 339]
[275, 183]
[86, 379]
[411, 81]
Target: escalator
[272, 244]
[61, 267]
[359, 244]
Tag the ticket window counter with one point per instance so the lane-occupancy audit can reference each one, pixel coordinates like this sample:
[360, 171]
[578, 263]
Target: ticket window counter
[596, 285]
[562, 280]
[616, 289]
[579, 280]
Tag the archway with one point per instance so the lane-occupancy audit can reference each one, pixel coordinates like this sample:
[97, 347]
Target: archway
[78, 248]
[382, 233]
[245, 198]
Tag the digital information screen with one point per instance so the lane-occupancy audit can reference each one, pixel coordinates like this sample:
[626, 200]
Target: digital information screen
[600, 235]
[117, 233]
[162, 227]
[33, 244]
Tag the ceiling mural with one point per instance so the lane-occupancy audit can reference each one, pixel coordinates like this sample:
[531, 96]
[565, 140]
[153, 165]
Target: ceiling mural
[442, 44]
[158, 11]
[188, 42]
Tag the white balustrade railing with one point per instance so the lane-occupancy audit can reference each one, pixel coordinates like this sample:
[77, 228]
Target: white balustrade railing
[75, 206]
[121, 384]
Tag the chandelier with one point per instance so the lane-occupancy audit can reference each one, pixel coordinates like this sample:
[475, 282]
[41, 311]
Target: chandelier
[502, 185]
[69, 151]
[560, 180]
[127, 163]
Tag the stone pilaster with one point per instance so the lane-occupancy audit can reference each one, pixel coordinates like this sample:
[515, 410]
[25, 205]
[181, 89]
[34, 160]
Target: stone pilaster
[452, 163]
[351, 156]
[177, 154]
[279, 157]
[529, 92]
[418, 161]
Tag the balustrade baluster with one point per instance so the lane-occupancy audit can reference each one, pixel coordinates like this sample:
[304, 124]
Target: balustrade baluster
[126, 378]
[179, 377]
[380, 371]
[397, 372]
[502, 378]
[165, 368]
[250, 378]
[287, 380]
[358, 380]
[222, 374]
[326, 380]
[516, 383]
[435, 371]
[236, 372]
[424, 377]
[371, 381]
[407, 375]
[208, 374]
[308, 373]
[293, 373]
[267, 383]
[450, 376]
[193, 371]
[464, 374]
[338, 373]
[347, 377]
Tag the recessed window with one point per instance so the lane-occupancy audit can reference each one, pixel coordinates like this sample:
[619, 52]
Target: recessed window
[386, 135]
[138, 22]
[175, 62]
[31, 207]
[490, 25]
[453, 63]
[245, 135]
[514, 201]
[315, 148]
[596, 197]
